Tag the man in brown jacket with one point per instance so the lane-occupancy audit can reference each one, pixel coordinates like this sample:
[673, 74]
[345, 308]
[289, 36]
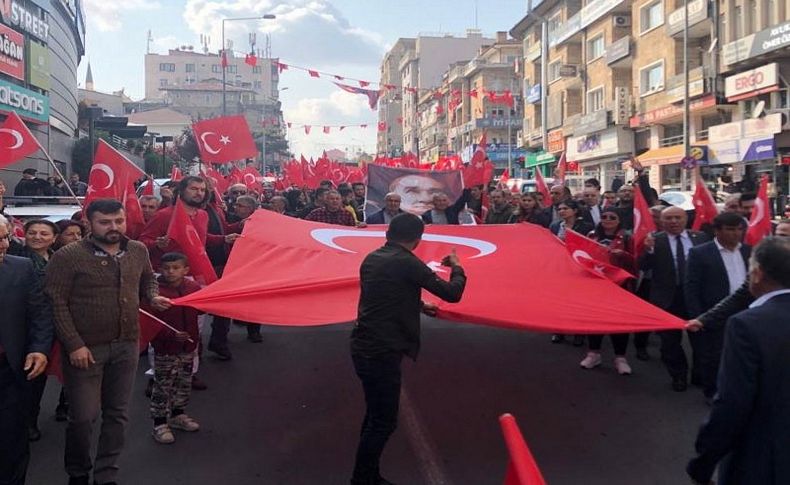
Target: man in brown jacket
[95, 286]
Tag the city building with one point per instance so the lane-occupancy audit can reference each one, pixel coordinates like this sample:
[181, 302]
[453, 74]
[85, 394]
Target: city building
[421, 69]
[483, 95]
[162, 121]
[390, 140]
[43, 45]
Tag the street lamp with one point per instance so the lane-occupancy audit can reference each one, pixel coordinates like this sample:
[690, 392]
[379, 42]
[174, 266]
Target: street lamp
[268, 16]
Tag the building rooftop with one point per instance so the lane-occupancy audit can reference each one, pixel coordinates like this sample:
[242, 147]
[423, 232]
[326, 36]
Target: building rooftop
[162, 116]
[205, 87]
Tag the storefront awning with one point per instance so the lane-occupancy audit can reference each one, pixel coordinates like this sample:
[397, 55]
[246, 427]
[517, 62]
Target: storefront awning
[664, 156]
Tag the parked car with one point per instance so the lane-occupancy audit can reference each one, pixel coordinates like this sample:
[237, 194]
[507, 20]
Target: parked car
[157, 183]
[50, 208]
[683, 199]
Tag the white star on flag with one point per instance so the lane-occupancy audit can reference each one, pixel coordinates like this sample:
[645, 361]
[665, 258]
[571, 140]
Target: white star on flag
[224, 139]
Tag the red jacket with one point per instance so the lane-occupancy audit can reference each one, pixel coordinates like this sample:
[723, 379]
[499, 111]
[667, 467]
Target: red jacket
[180, 317]
[157, 227]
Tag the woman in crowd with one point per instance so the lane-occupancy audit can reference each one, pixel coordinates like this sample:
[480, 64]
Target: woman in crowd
[40, 236]
[530, 210]
[611, 234]
[570, 218]
[69, 232]
[297, 200]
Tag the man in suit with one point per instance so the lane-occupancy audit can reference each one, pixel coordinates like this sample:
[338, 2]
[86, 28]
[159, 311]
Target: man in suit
[715, 270]
[26, 333]
[747, 430]
[443, 212]
[390, 210]
[592, 198]
[665, 255]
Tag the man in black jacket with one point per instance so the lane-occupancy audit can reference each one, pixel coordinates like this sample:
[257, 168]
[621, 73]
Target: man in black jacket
[26, 333]
[443, 212]
[747, 430]
[666, 254]
[388, 327]
[30, 185]
[715, 269]
[390, 210]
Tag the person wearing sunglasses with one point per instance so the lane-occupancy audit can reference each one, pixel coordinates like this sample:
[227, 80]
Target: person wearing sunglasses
[610, 233]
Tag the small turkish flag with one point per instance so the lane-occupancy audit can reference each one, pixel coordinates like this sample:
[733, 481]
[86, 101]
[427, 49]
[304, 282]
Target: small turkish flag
[224, 59]
[183, 232]
[480, 170]
[252, 178]
[175, 173]
[111, 174]
[760, 221]
[219, 182]
[224, 139]
[16, 140]
[313, 73]
[542, 187]
[307, 129]
[364, 84]
[149, 187]
[643, 222]
[251, 59]
[594, 257]
[704, 206]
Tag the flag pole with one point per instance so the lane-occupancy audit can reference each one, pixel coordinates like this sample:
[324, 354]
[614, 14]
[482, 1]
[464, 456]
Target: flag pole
[57, 171]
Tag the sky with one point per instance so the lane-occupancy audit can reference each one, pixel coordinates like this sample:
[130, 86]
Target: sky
[345, 37]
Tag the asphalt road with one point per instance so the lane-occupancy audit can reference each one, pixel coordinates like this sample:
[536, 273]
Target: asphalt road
[288, 411]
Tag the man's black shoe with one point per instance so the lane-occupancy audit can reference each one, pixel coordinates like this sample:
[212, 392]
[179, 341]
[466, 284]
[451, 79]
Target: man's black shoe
[84, 480]
[33, 433]
[222, 351]
[641, 354]
[255, 338]
[679, 384]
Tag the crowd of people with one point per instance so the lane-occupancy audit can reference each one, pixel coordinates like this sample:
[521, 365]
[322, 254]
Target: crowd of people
[82, 281]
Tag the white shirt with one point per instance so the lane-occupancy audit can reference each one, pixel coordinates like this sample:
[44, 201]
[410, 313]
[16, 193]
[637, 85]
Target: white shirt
[685, 239]
[595, 212]
[734, 264]
[761, 301]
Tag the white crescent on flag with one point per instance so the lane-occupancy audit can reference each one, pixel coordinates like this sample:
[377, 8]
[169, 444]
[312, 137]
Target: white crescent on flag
[106, 169]
[18, 140]
[206, 144]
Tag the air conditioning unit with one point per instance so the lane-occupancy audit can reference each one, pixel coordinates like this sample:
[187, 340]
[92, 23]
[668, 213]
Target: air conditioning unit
[621, 21]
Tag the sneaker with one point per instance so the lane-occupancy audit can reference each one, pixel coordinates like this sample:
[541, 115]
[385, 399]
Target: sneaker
[163, 434]
[621, 364]
[592, 360]
[222, 351]
[184, 423]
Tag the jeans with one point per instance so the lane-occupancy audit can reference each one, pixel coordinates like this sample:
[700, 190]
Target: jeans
[103, 388]
[14, 448]
[381, 381]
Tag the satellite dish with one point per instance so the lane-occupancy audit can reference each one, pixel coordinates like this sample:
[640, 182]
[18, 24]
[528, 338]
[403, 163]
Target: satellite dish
[758, 109]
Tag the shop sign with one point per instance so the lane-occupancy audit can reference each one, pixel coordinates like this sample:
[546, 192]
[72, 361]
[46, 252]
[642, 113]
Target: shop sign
[763, 127]
[586, 16]
[25, 16]
[498, 122]
[622, 102]
[27, 104]
[556, 141]
[38, 65]
[656, 115]
[538, 158]
[618, 49]
[609, 142]
[750, 83]
[533, 93]
[742, 150]
[12, 53]
[596, 121]
[675, 90]
[698, 11]
[754, 45]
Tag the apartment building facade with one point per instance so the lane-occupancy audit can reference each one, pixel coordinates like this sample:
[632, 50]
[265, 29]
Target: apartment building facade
[422, 69]
[390, 140]
[616, 86]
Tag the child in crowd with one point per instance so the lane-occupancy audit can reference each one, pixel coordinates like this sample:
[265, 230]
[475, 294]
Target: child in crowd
[174, 352]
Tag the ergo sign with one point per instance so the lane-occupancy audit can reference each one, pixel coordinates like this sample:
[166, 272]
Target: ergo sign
[751, 83]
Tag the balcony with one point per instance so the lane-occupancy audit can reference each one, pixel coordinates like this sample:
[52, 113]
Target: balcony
[699, 21]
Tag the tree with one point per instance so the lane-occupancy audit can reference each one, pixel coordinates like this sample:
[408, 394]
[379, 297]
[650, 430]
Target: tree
[155, 165]
[186, 147]
[81, 154]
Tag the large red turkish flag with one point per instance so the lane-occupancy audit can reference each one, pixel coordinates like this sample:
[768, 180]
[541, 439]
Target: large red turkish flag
[182, 231]
[16, 140]
[312, 278]
[224, 139]
[760, 222]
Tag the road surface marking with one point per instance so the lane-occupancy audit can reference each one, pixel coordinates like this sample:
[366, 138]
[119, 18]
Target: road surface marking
[424, 448]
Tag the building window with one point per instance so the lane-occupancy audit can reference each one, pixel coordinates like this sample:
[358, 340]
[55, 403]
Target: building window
[162, 83]
[554, 23]
[755, 16]
[651, 78]
[554, 70]
[215, 68]
[232, 69]
[167, 67]
[595, 48]
[651, 16]
[190, 68]
[737, 21]
[256, 69]
[258, 85]
[595, 100]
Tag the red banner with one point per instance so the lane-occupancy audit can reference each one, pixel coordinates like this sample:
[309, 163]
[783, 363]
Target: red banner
[312, 278]
[12, 53]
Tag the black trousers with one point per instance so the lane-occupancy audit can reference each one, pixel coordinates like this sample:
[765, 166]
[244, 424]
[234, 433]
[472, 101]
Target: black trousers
[37, 387]
[619, 342]
[14, 410]
[672, 353]
[712, 343]
[381, 382]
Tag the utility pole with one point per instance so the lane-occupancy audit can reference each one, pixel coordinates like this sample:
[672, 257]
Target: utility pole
[686, 110]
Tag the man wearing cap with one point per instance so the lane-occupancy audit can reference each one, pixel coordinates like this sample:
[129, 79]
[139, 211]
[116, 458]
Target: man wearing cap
[30, 185]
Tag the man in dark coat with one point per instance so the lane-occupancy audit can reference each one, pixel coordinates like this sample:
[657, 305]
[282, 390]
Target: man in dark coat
[30, 185]
[26, 333]
[443, 212]
[390, 210]
[748, 431]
